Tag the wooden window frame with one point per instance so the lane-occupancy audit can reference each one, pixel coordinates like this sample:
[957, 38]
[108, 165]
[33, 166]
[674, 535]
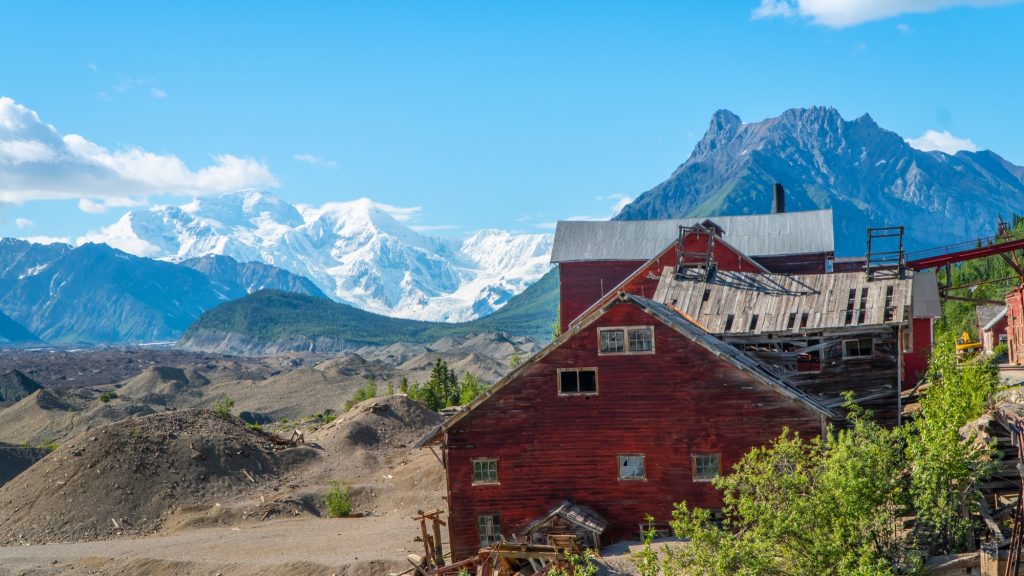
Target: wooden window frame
[495, 482]
[643, 464]
[492, 538]
[869, 355]
[718, 461]
[597, 381]
[626, 349]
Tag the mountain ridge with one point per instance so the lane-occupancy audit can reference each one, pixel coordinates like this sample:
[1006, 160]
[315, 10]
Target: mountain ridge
[868, 175]
[357, 252]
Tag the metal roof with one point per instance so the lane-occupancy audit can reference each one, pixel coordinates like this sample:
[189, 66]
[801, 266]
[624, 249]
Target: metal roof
[995, 320]
[926, 295]
[755, 235]
[742, 303]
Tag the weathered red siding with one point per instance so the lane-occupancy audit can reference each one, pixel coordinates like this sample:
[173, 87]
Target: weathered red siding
[668, 405]
[583, 283]
[1015, 325]
[915, 362]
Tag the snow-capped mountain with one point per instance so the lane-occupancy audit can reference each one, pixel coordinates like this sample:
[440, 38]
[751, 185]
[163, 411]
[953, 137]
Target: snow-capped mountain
[356, 252]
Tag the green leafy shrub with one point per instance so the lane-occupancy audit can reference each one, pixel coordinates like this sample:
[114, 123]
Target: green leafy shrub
[337, 500]
[255, 427]
[365, 393]
[107, 396]
[223, 408]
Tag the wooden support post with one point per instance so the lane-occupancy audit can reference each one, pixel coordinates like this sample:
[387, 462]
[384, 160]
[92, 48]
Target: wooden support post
[438, 547]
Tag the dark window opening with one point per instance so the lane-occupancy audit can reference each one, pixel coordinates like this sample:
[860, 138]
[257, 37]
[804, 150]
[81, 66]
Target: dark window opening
[863, 305]
[850, 303]
[792, 321]
[890, 311]
[857, 348]
[572, 381]
[707, 294]
[753, 323]
[728, 323]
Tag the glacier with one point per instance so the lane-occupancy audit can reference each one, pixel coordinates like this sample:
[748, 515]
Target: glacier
[357, 252]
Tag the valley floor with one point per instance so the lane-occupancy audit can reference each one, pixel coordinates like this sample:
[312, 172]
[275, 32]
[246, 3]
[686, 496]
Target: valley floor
[301, 546]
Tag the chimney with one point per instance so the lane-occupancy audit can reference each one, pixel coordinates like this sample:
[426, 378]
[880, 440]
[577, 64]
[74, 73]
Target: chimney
[778, 199]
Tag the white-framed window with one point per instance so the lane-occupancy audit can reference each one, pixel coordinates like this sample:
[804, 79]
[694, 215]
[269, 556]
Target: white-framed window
[626, 340]
[631, 467]
[573, 381]
[485, 471]
[857, 348]
[706, 467]
[489, 528]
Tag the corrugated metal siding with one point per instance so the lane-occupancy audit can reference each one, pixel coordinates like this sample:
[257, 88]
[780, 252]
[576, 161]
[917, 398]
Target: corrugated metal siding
[755, 235]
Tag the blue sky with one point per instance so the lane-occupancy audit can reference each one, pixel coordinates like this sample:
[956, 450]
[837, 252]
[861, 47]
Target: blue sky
[482, 114]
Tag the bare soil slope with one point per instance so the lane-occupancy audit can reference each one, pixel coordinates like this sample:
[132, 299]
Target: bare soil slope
[125, 477]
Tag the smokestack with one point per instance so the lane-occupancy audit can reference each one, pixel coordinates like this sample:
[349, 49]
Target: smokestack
[779, 199]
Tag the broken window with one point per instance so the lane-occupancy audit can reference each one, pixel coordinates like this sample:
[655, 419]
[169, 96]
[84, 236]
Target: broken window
[489, 528]
[485, 471]
[613, 340]
[626, 340]
[753, 323]
[577, 381]
[857, 348]
[631, 467]
[641, 339]
[705, 467]
[728, 323]
[792, 321]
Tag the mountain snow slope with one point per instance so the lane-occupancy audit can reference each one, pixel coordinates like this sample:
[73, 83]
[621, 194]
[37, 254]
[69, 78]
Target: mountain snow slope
[356, 252]
[867, 175]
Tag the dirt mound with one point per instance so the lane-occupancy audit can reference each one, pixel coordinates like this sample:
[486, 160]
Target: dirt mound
[16, 459]
[379, 423]
[165, 385]
[14, 386]
[46, 417]
[125, 477]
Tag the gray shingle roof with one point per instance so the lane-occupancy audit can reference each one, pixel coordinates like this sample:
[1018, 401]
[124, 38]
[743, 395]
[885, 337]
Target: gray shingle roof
[755, 235]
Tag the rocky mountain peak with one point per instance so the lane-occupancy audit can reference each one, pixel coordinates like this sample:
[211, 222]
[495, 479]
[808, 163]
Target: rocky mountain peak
[867, 175]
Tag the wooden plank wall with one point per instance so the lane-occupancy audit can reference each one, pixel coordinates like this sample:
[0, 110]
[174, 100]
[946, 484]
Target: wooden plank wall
[668, 405]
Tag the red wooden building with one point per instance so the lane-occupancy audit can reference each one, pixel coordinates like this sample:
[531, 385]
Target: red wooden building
[632, 410]
[594, 257]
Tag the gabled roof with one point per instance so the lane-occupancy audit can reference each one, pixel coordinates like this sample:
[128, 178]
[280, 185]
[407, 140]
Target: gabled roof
[757, 235]
[574, 513]
[995, 320]
[669, 318]
[732, 299]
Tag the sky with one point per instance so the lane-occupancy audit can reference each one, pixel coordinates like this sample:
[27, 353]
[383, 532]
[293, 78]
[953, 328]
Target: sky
[468, 115]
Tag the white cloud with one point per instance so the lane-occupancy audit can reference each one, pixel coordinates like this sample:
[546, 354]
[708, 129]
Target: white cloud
[903, 28]
[157, 93]
[90, 207]
[47, 239]
[843, 13]
[942, 141]
[24, 223]
[21, 151]
[37, 162]
[773, 9]
[400, 213]
[92, 66]
[314, 160]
